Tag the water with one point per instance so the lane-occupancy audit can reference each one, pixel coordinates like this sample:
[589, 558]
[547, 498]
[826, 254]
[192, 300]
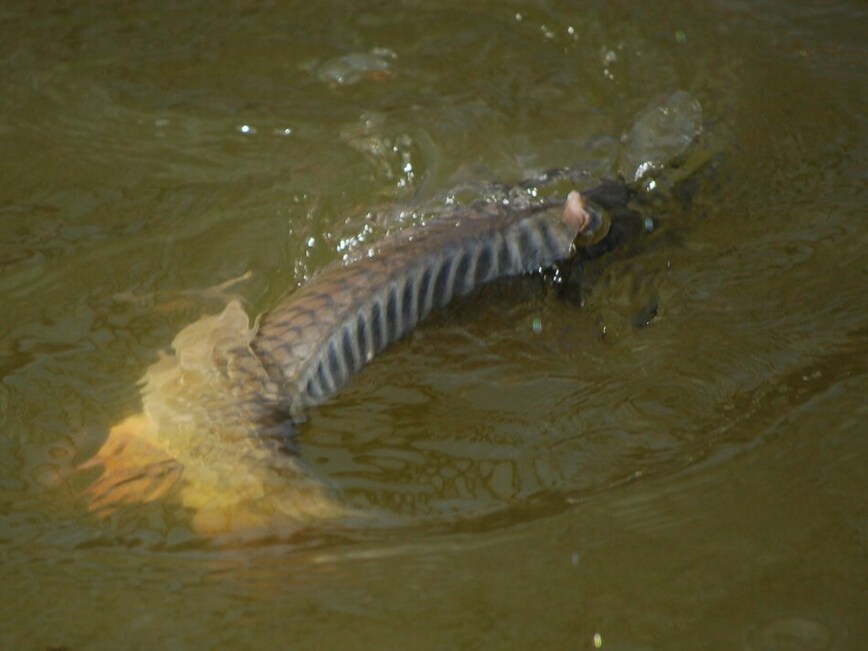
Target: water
[531, 472]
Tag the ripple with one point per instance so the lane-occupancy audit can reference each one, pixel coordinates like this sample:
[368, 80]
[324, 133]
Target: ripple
[791, 634]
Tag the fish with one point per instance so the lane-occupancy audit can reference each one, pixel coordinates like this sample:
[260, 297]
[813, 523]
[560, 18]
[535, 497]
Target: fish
[219, 412]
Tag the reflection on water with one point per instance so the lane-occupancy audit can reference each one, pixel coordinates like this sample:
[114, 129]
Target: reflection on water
[564, 472]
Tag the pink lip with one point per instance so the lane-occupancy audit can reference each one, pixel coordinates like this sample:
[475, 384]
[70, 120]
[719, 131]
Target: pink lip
[575, 215]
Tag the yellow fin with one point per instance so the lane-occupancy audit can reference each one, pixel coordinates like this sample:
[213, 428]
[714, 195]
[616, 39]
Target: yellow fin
[136, 470]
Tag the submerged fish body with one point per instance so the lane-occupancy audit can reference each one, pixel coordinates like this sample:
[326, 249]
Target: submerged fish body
[205, 435]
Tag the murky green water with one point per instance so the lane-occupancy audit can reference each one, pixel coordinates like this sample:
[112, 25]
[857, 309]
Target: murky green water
[697, 483]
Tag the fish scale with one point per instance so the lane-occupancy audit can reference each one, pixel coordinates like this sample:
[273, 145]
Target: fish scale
[318, 336]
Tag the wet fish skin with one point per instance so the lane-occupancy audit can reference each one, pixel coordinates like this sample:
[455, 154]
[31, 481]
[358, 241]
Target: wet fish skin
[318, 336]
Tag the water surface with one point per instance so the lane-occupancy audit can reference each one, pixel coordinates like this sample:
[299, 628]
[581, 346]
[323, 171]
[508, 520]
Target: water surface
[534, 472]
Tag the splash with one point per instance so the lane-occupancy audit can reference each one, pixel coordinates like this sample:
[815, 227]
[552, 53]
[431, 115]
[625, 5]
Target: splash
[661, 134]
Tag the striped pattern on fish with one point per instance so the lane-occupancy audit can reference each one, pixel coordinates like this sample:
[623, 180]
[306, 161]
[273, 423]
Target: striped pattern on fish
[318, 336]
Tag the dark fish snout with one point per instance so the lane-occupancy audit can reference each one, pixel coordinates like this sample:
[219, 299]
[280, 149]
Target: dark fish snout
[597, 227]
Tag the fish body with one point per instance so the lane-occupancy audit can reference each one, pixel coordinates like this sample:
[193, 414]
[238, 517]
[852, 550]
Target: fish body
[215, 408]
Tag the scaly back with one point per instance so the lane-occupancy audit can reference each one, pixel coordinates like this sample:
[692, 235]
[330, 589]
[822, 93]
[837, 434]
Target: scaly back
[318, 336]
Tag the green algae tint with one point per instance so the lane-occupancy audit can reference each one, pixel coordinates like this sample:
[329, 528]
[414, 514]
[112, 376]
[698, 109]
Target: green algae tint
[674, 461]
